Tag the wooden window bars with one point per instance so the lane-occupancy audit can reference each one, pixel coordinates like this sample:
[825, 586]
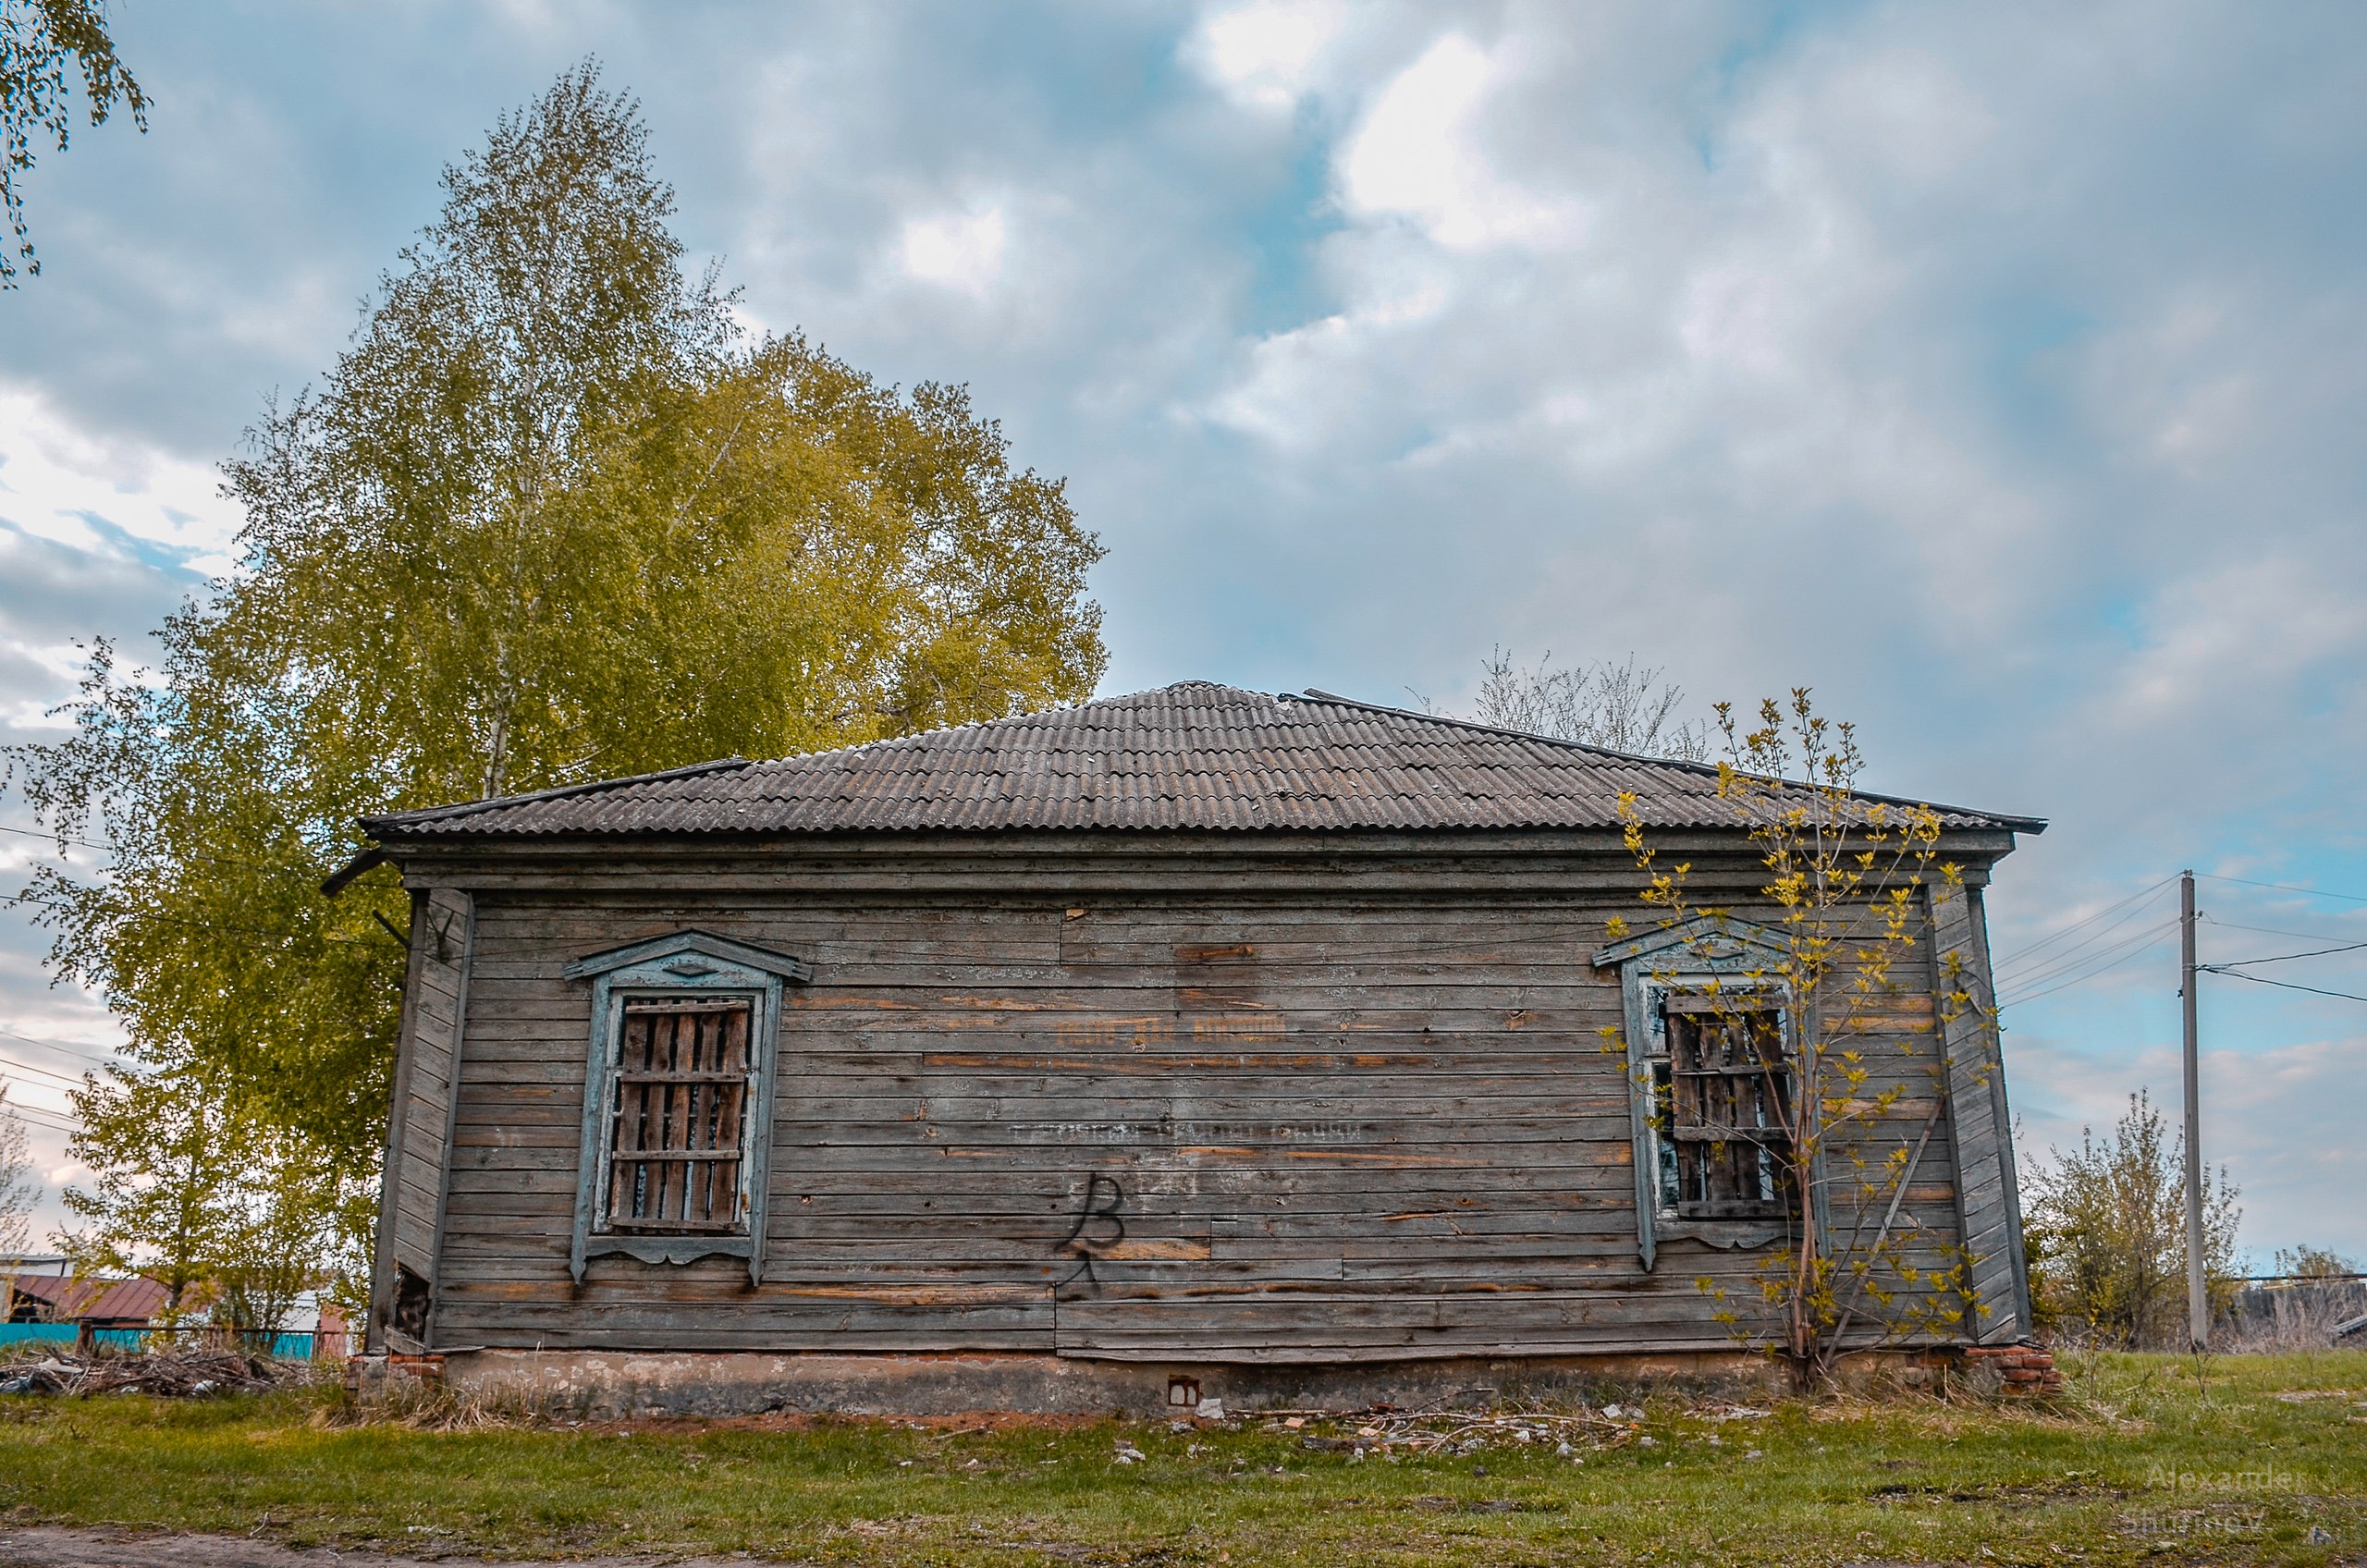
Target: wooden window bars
[677, 1118]
[1722, 1094]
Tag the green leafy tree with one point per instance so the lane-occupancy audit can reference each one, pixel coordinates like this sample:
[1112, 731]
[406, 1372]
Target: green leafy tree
[1846, 881]
[293, 1225]
[235, 1218]
[41, 43]
[2111, 1219]
[552, 516]
[164, 1167]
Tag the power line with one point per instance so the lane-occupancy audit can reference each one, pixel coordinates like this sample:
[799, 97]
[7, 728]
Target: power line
[215, 927]
[2283, 984]
[2023, 955]
[2270, 930]
[2284, 958]
[51, 1112]
[112, 850]
[11, 1065]
[2082, 966]
[2064, 964]
[53, 838]
[51, 1121]
[59, 1046]
[2144, 941]
[2286, 888]
[2029, 964]
[2082, 979]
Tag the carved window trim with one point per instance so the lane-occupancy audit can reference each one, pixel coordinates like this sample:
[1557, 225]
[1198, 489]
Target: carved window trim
[1688, 959]
[692, 967]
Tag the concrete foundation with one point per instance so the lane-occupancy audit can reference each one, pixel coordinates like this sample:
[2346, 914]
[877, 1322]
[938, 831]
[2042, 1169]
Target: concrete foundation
[608, 1385]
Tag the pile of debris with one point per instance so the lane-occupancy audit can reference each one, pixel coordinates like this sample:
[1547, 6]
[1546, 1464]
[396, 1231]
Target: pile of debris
[1444, 1432]
[173, 1374]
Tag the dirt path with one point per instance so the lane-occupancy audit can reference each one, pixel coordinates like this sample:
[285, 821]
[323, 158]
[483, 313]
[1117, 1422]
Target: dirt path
[48, 1546]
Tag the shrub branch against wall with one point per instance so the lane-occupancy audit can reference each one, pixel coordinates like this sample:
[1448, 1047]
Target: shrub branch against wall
[1845, 899]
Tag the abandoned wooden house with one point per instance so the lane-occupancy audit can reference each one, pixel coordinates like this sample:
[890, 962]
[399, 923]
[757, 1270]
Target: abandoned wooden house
[1196, 1044]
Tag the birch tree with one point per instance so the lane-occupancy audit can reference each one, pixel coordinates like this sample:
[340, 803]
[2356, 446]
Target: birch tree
[553, 515]
[46, 45]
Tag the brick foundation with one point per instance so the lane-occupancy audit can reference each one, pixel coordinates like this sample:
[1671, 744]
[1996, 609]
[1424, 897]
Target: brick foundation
[2015, 1371]
[367, 1376]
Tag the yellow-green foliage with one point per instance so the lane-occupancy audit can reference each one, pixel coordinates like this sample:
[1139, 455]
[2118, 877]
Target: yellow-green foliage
[2107, 1222]
[1847, 882]
[554, 517]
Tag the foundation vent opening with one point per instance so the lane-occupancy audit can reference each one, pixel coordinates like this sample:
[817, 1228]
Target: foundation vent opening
[1184, 1393]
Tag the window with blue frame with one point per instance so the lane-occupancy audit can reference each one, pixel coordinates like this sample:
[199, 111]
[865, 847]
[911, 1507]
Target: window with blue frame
[676, 1154]
[1721, 1102]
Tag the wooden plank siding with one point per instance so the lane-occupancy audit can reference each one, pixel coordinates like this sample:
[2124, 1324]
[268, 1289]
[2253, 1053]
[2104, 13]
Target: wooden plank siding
[1322, 1109]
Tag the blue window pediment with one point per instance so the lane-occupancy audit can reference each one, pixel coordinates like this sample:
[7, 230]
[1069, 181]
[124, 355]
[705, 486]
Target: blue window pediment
[1715, 942]
[678, 957]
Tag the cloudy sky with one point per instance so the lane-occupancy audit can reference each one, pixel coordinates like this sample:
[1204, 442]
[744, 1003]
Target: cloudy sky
[1994, 369]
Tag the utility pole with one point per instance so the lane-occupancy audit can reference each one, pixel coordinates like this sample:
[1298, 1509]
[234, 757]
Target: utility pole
[2198, 1301]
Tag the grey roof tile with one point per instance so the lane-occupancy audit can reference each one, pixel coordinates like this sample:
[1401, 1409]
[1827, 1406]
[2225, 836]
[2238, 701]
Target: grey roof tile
[1195, 755]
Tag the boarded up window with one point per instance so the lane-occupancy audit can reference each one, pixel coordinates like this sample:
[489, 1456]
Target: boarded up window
[677, 1118]
[1722, 1092]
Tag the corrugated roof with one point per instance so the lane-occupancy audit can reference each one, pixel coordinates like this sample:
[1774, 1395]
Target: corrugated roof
[66, 1299]
[1195, 755]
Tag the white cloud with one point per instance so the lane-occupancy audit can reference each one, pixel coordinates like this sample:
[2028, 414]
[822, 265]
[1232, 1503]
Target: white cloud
[962, 251]
[1312, 384]
[1264, 54]
[2221, 635]
[60, 482]
[1891, 115]
[1421, 153]
[2279, 1118]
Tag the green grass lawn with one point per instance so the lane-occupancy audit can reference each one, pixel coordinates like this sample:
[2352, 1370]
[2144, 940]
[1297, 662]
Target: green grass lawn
[2097, 1480]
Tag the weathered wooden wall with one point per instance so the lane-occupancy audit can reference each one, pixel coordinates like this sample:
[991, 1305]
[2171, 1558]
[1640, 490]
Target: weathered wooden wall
[1237, 1109]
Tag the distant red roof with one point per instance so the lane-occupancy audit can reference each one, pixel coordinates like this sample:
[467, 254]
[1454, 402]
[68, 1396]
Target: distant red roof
[67, 1300]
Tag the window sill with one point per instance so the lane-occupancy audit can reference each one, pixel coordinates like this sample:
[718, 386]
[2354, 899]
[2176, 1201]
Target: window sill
[668, 1249]
[1734, 1235]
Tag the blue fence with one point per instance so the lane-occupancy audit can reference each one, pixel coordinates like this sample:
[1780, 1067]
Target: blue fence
[55, 1333]
[286, 1347]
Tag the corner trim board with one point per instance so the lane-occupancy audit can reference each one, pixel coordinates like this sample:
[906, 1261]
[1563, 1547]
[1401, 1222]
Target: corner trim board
[382, 1260]
[463, 981]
